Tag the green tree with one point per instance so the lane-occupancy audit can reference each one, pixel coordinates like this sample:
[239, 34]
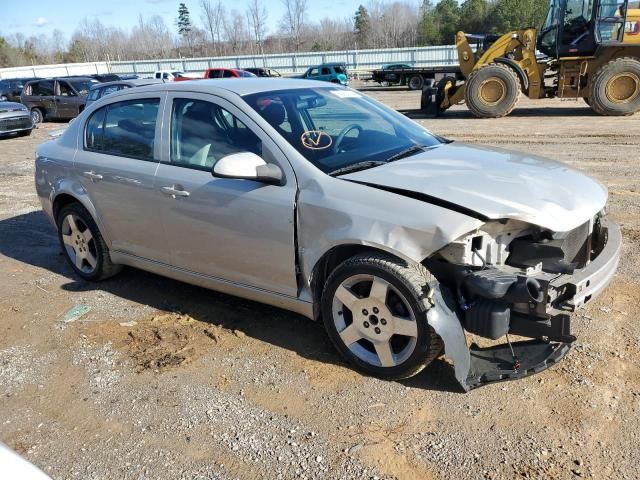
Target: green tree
[428, 33]
[362, 26]
[474, 16]
[447, 19]
[508, 15]
[184, 24]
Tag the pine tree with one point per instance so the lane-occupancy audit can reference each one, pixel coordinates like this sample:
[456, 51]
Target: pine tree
[428, 33]
[447, 18]
[184, 22]
[362, 26]
[473, 16]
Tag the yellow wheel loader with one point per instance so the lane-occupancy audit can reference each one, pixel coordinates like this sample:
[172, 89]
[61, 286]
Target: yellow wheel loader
[587, 49]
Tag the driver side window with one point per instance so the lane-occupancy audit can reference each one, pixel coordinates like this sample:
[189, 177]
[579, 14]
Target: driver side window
[203, 132]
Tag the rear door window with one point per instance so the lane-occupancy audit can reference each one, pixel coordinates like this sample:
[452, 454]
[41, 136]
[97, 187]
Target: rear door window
[42, 88]
[228, 74]
[124, 128]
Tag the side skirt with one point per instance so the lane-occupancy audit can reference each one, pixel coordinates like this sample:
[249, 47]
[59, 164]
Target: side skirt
[218, 284]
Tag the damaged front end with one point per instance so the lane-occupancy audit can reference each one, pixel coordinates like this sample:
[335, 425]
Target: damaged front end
[512, 278]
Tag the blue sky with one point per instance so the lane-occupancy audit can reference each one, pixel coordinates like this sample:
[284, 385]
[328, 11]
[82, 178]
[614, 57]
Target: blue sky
[33, 17]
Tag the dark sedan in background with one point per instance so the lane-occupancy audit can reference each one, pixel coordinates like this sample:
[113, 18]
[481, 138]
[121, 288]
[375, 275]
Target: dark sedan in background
[14, 119]
[11, 88]
[99, 90]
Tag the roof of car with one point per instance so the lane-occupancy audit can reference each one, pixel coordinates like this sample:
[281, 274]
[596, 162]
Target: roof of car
[240, 86]
[134, 82]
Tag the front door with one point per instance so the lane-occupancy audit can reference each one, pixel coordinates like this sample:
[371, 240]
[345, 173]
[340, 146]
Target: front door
[577, 32]
[240, 231]
[116, 166]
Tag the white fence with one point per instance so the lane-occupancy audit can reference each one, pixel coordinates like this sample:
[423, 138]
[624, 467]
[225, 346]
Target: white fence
[298, 62]
[356, 60]
[61, 70]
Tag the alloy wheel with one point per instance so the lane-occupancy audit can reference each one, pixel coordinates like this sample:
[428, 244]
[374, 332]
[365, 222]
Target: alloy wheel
[79, 244]
[374, 320]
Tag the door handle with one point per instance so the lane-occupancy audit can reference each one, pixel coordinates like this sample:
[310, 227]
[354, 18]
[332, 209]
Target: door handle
[93, 176]
[175, 191]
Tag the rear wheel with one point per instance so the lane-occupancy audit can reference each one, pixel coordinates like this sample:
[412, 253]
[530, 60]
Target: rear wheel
[492, 91]
[416, 82]
[615, 90]
[36, 116]
[83, 244]
[374, 308]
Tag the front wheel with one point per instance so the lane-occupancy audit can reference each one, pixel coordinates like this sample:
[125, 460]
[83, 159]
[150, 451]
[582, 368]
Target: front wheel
[492, 91]
[374, 309]
[83, 245]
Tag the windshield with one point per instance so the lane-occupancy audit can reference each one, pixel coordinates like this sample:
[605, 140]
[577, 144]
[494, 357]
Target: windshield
[335, 128]
[82, 86]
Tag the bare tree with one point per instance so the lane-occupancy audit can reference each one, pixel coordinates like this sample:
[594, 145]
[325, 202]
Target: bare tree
[235, 31]
[213, 16]
[294, 19]
[257, 19]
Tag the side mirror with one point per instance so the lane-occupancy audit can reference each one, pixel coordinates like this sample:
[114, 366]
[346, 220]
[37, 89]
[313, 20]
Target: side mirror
[247, 166]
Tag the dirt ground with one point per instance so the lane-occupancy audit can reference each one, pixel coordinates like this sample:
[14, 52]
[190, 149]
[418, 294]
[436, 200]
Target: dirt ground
[160, 379]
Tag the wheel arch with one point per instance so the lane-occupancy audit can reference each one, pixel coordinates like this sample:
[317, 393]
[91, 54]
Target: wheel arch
[66, 196]
[333, 257]
[524, 79]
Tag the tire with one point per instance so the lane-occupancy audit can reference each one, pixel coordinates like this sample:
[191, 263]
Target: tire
[615, 89]
[493, 91]
[24, 133]
[415, 82]
[94, 262]
[37, 116]
[401, 293]
[587, 100]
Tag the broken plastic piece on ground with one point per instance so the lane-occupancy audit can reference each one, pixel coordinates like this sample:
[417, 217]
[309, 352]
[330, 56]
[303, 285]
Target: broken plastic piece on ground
[75, 313]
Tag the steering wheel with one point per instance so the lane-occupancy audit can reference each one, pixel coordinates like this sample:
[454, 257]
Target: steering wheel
[343, 133]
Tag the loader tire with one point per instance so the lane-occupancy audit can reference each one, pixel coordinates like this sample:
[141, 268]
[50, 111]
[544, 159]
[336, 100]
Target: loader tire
[615, 88]
[493, 91]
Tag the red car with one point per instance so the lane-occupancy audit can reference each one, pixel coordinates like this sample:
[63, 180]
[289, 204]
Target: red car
[227, 73]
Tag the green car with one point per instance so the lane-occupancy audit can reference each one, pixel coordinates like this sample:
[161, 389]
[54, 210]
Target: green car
[328, 72]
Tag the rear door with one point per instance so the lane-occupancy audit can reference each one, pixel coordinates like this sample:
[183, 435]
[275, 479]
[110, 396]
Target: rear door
[40, 95]
[116, 163]
[66, 100]
[241, 231]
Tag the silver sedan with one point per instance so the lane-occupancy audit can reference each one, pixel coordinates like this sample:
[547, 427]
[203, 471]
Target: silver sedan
[317, 199]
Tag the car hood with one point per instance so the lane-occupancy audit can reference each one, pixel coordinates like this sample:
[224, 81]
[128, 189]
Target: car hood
[11, 107]
[494, 184]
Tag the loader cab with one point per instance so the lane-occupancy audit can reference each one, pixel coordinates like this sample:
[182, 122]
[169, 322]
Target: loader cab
[575, 28]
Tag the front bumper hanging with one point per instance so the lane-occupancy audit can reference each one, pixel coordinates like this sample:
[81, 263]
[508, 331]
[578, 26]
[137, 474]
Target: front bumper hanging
[475, 366]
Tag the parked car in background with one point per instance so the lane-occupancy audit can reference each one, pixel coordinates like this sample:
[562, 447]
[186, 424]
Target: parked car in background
[227, 73]
[56, 98]
[171, 76]
[328, 72]
[393, 66]
[112, 77]
[11, 88]
[15, 118]
[102, 89]
[263, 72]
[319, 199]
